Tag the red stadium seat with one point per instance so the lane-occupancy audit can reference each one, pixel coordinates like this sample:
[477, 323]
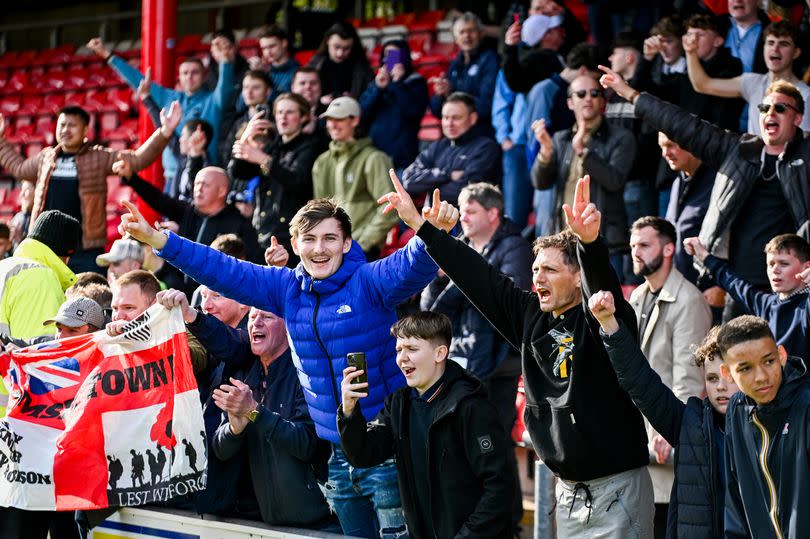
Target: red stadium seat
[10, 105]
[52, 103]
[75, 79]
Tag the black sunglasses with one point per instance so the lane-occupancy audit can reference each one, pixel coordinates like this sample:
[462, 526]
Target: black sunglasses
[595, 92]
[780, 108]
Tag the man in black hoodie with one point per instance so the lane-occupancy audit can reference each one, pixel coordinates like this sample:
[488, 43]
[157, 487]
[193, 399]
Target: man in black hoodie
[583, 425]
[767, 467]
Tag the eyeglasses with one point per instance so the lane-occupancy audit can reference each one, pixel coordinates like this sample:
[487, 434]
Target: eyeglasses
[595, 92]
[780, 108]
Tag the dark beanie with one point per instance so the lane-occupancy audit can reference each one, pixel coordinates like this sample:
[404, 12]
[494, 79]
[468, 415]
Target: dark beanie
[59, 231]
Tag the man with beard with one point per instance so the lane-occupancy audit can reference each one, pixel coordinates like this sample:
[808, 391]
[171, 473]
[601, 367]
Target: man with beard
[672, 316]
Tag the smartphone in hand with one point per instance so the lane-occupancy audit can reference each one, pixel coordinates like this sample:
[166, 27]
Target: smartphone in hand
[358, 360]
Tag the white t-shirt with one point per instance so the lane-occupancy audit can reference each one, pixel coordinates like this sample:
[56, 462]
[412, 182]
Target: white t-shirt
[753, 88]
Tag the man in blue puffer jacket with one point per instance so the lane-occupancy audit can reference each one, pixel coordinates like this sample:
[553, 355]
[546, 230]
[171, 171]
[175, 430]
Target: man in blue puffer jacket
[334, 303]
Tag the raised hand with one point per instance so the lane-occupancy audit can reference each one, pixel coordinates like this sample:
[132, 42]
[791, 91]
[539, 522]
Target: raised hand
[662, 449]
[134, 224]
[512, 36]
[615, 82]
[652, 46]
[258, 125]
[222, 50]
[237, 400]
[247, 151]
[276, 254]
[383, 78]
[143, 87]
[689, 42]
[97, 46]
[197, 143]
[122, 167]
[169, 120]
[172, 298]
[583, 218]
[603, 308]
[441, 214]
[804, 276]
[352, 392]
[401, 201]
[694, 247]
[543, 137]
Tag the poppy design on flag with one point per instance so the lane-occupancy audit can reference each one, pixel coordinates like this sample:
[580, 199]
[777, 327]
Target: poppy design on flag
[93, 421]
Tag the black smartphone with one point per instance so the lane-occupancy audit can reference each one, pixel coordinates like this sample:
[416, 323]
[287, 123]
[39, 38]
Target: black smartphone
[358, 360]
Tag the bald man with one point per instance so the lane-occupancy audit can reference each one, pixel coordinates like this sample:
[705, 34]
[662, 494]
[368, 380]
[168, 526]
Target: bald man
[206, 217]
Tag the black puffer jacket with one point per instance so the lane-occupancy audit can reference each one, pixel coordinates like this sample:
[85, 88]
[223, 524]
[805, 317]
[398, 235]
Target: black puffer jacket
[610, 155]
[696, 501]
[470, 487]
[474, 338]
[768, 460]
[738, 161]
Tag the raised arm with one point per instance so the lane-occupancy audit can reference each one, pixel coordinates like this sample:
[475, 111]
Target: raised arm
[656, 401]
[701, 81]
[706, 141]
[495, 295]
[250, 284]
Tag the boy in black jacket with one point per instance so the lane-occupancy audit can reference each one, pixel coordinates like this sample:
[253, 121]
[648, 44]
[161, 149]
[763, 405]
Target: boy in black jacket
[584, 426]
[696, 429]
[767, 434]
[450, 447]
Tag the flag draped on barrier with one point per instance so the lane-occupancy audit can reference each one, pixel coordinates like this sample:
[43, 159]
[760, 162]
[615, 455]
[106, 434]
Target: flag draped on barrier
[98, 421]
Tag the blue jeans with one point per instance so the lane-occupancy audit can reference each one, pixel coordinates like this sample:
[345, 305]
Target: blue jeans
[517, 185]
[366, 500]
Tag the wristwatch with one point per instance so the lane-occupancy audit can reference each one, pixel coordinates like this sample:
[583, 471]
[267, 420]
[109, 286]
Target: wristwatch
[253, 415]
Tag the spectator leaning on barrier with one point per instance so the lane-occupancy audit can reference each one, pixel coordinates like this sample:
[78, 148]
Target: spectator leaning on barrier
[266, 425]
[72, 176]
[354, 172]
[393, 104]
[283, 168]
[333, 303]
[673, 316]
[460, 157]
[133, 293]
[451, 450]
[565, 366]
[473, 72]
[196, 102]
[758, 178]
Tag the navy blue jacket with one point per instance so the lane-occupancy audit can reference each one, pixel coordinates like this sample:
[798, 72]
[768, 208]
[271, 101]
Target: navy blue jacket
[479, 157]
[350, 311]
[768, 461]
[687, 208]
[696, 501]
[474, 338]
[477, 79]
[392, 116]
[789, 318]
[281, 446]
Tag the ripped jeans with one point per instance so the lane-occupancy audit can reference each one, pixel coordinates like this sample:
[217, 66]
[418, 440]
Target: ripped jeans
[365, 500]
[618, 505]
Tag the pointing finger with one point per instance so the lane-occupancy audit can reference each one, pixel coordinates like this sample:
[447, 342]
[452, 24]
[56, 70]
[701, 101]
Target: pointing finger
[273, 242]
[436, 199]
[395, 180]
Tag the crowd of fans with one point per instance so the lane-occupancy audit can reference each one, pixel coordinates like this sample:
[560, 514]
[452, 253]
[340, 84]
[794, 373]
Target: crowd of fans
[665, 151]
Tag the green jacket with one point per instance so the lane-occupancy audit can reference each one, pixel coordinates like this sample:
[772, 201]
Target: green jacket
[32, 287]
[356, 174]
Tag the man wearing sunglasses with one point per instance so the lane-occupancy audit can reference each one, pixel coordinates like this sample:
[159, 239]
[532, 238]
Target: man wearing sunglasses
[592, 147]
[780, 50]
[759, 191]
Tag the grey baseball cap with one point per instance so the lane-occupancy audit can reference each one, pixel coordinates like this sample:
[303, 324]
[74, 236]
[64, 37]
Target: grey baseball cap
[78, 312]
[342, 107]
[120, 251]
